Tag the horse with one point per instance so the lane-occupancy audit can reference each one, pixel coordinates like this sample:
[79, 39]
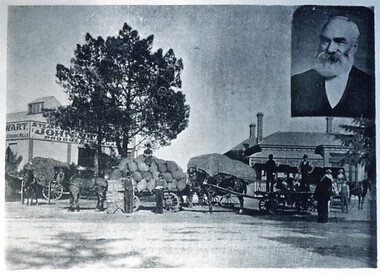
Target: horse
[79, 183]
[30, 188]
[202, 184]
[359, 189]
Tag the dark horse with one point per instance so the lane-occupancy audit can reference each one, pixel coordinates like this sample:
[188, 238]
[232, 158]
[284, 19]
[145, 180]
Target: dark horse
[205, 185]
[30, 187]
[359, 189]
[79, 183]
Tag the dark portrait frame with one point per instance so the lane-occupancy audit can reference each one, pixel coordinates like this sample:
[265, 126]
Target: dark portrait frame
[306, 25]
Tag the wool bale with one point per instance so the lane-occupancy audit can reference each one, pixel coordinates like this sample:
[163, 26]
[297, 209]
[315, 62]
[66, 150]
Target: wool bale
[134, 181]
[142, 166]
[147, 175]
[141, 185]
[167, 176]
[153, 167]
[181, 184]
[124, 172]
[162, 167]
[116, 174]
[123, 165]
[178, 175]
[151, 185]
[172, 166]
[175, 182]
[161, 182]
[155, 175]
[171, 186]
[140, 158]
[132, 166]
[137, 176]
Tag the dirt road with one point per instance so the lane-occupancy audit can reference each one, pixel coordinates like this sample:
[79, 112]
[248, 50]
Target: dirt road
[49, 237]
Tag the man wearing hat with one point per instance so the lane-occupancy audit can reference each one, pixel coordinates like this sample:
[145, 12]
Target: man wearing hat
[270, 169]
[305, 168]
[322, 195]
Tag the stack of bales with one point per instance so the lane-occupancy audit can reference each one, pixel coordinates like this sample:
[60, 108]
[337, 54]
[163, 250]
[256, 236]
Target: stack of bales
[146, 177]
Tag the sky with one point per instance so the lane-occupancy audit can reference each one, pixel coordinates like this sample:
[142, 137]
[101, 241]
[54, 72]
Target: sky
[237, 62]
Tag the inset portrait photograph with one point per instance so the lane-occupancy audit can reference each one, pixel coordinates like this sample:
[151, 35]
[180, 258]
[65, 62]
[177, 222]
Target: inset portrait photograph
[333, 62]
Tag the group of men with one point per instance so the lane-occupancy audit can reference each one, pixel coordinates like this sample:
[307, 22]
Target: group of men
[324, 188]
[304, 168]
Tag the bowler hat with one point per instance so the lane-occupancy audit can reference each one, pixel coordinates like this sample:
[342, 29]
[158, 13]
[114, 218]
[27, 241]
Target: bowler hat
[305, 156]
[328, 171]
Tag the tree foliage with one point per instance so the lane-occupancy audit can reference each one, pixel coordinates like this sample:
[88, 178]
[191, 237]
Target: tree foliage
[120, 89]
[360, 140]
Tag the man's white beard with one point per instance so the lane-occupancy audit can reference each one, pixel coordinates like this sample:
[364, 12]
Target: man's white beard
[330, 65]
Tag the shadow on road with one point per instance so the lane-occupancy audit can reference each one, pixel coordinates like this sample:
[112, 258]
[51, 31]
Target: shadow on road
[73, 250]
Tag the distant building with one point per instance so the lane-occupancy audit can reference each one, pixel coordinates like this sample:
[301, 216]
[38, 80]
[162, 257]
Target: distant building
[28, 134]
[288, 149]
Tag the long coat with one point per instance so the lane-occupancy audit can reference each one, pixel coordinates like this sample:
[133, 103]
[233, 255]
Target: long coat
[308, 96]
[323, 189]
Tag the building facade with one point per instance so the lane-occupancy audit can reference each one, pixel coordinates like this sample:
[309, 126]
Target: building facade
[29, 135]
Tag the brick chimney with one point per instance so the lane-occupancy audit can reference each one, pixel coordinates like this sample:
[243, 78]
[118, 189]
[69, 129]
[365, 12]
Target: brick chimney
[260, 116]
[329, 121]
[252, 131]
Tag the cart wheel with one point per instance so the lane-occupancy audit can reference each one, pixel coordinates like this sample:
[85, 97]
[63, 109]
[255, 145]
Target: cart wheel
[136, 203]
[263, 204]
[171, 201]
[275, 206]
[56, 191]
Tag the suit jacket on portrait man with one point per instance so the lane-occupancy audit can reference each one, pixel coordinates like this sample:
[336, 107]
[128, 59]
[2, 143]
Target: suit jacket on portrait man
[308, 96]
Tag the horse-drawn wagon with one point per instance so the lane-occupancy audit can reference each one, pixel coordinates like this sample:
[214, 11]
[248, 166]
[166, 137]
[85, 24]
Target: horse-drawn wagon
[43, 177]
[218, 178]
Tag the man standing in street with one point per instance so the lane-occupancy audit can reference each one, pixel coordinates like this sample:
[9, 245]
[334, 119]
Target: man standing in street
[322, 196]
[270, 169]
[305, 168]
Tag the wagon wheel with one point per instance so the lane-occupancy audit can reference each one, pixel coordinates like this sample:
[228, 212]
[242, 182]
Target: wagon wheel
[136, 203]
[171, 201]
[228, 200]
[263, 204]
[56, 191]
[275, 206]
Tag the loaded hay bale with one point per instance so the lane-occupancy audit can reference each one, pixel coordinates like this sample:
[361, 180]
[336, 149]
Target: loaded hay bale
[45, 168]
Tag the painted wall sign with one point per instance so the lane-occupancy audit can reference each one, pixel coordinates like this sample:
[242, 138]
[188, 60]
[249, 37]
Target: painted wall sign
[48, 132]
[17, 130]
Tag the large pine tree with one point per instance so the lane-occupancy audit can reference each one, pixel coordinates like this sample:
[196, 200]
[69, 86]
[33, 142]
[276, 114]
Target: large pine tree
[119, 90]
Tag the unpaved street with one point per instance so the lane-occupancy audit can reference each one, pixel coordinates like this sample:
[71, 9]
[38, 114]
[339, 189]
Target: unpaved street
[49, 237]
